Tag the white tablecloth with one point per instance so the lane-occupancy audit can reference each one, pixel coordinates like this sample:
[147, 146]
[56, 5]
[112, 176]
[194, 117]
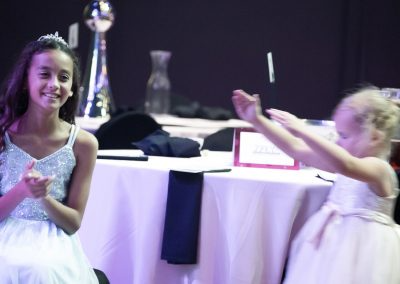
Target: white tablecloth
[248, 217]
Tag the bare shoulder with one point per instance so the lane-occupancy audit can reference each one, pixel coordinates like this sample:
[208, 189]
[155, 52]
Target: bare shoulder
[376, 164]
[373, 167]
[378, 174]
[86, 143]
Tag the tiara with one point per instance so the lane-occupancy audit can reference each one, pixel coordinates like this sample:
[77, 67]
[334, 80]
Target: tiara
[54, 37]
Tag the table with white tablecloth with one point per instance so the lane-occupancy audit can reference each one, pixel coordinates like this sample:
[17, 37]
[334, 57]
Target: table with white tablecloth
[248, 218]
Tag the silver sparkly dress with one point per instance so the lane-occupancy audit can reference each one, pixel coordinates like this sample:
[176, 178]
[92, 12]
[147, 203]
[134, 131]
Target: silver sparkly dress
[352, 239]
[32, 248]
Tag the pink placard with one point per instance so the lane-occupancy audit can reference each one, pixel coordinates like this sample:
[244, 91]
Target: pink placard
[252, 149]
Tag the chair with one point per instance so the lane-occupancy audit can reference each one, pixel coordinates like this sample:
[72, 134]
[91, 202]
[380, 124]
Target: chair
[222, 140]
[101, 276]
[396, 213]
[120, 131]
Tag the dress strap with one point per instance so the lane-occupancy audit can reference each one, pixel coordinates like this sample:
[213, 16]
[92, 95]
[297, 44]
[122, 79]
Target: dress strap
[73, 134]
[7, 137]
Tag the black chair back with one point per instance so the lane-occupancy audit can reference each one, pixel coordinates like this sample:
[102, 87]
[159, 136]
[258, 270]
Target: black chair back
[396, 213]
[120, 131]
[101, 276]
[222, 140]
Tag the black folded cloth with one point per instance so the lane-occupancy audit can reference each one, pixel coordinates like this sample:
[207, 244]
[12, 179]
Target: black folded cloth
[182, 218]
[159, 143]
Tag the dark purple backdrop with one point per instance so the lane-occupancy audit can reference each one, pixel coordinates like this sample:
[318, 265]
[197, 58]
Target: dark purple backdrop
[320, 48]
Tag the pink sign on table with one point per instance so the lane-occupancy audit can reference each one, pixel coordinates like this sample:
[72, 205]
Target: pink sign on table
[252, 149]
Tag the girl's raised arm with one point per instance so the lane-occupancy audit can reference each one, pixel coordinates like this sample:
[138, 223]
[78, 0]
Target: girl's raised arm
[248, 108]
[371, 169]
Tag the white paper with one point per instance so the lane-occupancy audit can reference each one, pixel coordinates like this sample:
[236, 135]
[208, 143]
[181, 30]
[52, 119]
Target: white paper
[255, 148]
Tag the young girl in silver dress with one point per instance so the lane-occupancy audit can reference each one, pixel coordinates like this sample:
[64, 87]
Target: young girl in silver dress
[46, 166]
[352, 239]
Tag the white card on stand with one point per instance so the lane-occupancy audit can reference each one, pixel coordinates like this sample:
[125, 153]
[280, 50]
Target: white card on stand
[252, 149]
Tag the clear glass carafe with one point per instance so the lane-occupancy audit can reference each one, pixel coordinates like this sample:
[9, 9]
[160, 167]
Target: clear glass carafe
[158, 86]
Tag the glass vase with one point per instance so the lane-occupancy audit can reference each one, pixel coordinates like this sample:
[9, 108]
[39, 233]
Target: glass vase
[158, 86]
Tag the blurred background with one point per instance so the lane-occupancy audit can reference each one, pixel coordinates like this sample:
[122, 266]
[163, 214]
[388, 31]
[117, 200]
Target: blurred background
[321, 49]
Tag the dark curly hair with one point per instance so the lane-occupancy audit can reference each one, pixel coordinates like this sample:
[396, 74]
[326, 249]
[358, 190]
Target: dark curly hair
[14, 96]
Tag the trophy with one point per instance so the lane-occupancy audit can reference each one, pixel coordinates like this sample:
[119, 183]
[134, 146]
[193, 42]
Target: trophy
[96, 98]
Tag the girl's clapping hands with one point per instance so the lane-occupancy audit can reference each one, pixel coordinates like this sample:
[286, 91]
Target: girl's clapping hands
[36, 185]
[247, 107]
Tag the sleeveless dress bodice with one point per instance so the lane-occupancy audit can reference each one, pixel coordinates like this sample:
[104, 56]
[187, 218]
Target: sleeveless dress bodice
[351, 194]
[59, 164]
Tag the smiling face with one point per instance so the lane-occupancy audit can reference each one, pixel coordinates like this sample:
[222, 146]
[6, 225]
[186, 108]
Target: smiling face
[50, 80]
[351, 135]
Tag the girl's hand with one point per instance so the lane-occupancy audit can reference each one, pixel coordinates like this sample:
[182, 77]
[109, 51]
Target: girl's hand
[35, 185]
[287, 120]
[247, 107]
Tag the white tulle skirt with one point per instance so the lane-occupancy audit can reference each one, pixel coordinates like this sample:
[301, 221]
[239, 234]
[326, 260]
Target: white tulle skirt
[348, 249]
[40, 252]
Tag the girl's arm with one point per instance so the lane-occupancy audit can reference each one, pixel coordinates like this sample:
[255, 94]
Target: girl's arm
[69, 216]
[371, 170]
[248, 108]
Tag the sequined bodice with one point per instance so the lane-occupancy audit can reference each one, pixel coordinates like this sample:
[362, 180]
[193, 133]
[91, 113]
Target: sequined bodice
[60, 164]
[352, 194]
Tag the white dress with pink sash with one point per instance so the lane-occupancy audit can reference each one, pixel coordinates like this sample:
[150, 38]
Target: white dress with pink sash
[351, 239]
